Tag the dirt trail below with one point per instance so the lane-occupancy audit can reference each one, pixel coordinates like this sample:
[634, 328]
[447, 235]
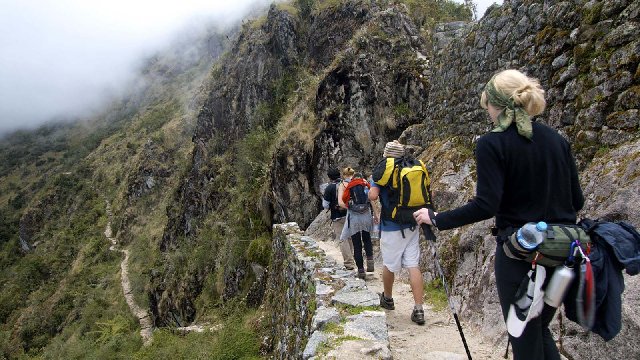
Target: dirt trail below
[437, 339]
[146, 325]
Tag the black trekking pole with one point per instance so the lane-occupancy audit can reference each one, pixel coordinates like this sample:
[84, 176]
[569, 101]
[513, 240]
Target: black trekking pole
[427, 230]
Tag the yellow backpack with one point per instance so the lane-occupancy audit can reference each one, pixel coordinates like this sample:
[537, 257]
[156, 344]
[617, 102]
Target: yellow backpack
[410, 188]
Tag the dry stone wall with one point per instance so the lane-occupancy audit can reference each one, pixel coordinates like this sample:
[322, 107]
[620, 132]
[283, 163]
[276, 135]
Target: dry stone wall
[585, 54]
[318, 309]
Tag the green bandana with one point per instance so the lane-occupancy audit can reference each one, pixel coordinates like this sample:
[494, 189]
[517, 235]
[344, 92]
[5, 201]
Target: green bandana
[510, 113]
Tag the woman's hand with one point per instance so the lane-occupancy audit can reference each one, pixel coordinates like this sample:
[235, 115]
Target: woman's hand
[422, 216]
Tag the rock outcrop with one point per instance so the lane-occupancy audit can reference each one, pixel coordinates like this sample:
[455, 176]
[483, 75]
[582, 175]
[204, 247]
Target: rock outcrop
[586, 57]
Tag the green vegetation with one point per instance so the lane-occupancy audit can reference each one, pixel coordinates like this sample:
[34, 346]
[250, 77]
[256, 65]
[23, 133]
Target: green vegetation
[426, 14]
[591, 14]
[234, 340]
[334, 328]
[63, 298]
[435, 295]
[449, 257]
[402, 109]
[347, 310]
[305, 7]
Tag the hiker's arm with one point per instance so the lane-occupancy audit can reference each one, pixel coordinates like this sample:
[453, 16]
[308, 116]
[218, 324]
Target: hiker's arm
[374, 198]
[340, 194]
[488, 192]
[374, 193]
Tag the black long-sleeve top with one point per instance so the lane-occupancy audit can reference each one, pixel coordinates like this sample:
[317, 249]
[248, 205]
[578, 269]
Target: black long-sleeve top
[520, 181]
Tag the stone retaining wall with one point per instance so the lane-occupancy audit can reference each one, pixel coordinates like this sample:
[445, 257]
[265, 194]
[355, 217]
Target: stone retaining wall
[318, 309]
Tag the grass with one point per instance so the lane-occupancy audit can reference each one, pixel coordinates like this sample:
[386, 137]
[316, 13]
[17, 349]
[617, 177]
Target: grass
[334, 328]
[233, 341]
[435, 295]
[355, 310]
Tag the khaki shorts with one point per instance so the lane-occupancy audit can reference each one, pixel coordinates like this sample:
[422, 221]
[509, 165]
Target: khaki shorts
[397, 251]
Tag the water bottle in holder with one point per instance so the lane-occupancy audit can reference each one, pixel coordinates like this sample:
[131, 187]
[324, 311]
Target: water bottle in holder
[525, 241]
[531, 235]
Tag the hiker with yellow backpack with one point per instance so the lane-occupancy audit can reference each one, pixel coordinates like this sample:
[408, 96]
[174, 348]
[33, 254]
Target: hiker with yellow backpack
[526, 175]
[403, 186]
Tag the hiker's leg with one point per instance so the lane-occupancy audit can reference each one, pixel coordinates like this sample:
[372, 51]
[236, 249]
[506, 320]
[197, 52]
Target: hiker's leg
[387, 282]
[411, 260]
[551, 351]
[346, 246]
[391, 248]
[509, 274]
[368, 246]
[417, 285]
[357, 249]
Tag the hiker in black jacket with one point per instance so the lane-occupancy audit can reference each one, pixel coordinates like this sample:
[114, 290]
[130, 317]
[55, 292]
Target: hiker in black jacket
[525, 173]
[338, 216]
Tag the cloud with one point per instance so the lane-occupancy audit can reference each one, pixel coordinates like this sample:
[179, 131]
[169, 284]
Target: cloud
[60, 58]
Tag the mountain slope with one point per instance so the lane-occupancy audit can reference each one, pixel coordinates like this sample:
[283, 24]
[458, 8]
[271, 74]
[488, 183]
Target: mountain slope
[62, 287]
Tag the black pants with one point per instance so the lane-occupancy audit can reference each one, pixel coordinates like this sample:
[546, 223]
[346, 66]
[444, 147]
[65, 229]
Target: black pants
[536, 342]
[358, 239]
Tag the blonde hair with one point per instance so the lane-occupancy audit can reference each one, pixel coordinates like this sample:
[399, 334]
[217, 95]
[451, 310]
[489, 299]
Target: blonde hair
[348, 171]
[525, 91]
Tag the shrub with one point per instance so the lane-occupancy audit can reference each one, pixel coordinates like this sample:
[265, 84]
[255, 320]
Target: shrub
[259, 250]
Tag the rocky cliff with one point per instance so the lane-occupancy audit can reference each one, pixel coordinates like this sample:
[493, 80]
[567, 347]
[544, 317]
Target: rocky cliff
[586, 56]
[291, 99]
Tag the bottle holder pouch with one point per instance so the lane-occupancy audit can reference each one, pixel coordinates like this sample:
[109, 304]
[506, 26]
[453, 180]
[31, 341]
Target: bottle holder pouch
[554, 250]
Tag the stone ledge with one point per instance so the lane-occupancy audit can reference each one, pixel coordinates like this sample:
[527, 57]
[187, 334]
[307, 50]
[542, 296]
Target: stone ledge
[347, 321]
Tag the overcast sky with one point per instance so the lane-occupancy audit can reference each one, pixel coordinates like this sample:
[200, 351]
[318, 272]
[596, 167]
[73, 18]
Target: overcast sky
[59, 57]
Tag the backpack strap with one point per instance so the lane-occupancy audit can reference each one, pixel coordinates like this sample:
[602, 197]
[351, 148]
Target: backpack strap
[425, 195]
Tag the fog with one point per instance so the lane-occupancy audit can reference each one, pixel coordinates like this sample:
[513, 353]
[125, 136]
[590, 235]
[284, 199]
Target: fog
[62, 58]
[59, 59]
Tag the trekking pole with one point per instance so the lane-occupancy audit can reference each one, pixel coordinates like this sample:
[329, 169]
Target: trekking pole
[427, 230]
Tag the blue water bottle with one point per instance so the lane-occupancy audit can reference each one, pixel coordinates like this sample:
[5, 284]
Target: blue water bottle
[530, 235]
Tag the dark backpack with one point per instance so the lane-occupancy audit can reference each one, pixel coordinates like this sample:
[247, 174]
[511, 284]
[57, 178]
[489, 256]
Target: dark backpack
[331, 195]
[359, 200]
[409, 188]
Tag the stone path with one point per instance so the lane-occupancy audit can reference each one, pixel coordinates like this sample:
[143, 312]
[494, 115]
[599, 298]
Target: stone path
[438, 339]
[146, 325]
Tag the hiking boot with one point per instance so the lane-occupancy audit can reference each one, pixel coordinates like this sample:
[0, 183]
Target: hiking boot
[417, 316]
[349, 267]
[386, 303]
[362, 274]
[370, 265]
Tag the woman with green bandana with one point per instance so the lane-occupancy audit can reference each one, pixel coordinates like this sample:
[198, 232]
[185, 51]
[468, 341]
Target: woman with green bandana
[525, 173]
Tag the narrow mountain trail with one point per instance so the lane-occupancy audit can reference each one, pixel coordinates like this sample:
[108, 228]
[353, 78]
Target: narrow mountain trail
[438, 339]
[146, 325]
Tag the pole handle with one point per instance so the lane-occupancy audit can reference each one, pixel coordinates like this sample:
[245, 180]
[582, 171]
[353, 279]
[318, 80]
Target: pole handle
[428, 232]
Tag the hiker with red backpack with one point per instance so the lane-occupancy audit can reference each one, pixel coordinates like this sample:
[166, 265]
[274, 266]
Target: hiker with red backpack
[402, 185]
[525, 174]
[358, 224]
[338, 216]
